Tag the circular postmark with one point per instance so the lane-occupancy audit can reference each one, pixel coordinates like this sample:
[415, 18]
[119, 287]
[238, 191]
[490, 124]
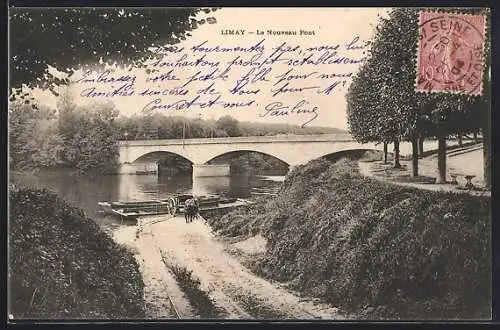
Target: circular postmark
[451, 48]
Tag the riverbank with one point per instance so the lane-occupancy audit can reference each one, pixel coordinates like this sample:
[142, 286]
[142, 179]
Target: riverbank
[159, 284]
[63, 266]
[374, 249]
[235, 292]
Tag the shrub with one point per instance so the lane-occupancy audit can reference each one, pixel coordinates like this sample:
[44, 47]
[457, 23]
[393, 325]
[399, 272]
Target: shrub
[61, 265]
[357, 242]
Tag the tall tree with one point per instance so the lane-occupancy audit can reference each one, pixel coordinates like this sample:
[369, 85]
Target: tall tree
[73, 125]
[98, 150]
[229, 125]
[372, 119]
[412, 115]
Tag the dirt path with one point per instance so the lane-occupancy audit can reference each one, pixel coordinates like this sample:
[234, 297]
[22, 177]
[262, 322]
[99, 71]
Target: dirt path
[234, 289]
[160, 285]
[465, 162]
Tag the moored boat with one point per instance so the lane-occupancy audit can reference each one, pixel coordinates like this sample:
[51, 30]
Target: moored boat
[134, 209]
[171, 205]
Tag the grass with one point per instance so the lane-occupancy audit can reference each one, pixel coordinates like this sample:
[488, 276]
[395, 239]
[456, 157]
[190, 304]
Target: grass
[61, 265]
[257, 309]
[199, 299]
[378, 250]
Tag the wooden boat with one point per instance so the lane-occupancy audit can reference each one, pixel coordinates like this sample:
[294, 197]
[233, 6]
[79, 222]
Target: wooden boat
[136, 208]
[172, 205]
[137, 204]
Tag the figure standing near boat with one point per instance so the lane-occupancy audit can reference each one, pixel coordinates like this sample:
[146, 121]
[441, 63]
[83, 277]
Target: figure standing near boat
[191, 209]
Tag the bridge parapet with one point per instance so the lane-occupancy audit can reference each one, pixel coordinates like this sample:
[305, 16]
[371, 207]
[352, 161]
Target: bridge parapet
[341, 137]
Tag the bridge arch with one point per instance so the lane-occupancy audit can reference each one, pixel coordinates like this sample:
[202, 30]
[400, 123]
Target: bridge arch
[150, 155]
[159, 155]
[246, 151]
[349, 153]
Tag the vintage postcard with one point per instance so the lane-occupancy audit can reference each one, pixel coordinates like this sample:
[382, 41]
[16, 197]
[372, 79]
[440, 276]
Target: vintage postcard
[249, 163]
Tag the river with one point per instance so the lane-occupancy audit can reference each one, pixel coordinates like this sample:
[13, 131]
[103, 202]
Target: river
[85, 191]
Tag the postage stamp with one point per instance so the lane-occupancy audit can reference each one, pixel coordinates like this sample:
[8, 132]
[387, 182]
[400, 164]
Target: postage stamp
[450, 54]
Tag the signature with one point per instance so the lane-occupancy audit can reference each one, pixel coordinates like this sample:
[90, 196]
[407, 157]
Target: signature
[197, 102]
[278, 108]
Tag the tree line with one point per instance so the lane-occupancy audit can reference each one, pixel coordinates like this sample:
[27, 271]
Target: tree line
[71, 136]
[159, 126]
[384, 107]
[85, 137]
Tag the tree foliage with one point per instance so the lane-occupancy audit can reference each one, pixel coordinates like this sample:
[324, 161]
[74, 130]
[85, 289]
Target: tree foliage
[386, 85]
[229, 124]
[159, 126]
[79, 137]
[370, 118]
[382, 102]
[33, 137]
[98, 144]
[89, 136]
[69, 38]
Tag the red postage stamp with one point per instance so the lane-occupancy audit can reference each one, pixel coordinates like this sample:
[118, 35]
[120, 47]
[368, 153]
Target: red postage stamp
[450, 53]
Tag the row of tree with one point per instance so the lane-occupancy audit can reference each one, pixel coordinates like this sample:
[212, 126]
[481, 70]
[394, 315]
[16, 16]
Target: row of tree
[85, 137]
[384, 107]
[159, 126]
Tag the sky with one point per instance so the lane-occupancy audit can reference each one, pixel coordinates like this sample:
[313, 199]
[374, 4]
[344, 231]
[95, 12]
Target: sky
[318, 103]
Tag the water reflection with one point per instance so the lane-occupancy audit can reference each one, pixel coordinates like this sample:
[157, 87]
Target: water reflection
[141, 187]
[211, 185]
[85, 192]
[241, 185]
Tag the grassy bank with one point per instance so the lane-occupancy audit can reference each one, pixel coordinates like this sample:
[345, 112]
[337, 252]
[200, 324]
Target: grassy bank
[199, 299]
[375, 249]
[61, 265]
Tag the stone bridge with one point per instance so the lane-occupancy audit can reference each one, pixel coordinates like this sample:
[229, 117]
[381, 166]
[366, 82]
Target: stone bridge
[292, 149]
